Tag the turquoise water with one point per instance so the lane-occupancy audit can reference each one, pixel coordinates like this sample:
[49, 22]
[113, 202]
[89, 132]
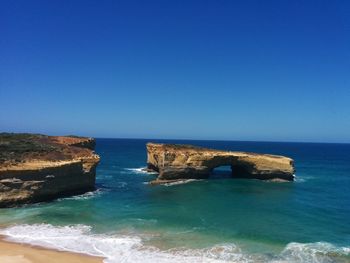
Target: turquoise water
[215, 220]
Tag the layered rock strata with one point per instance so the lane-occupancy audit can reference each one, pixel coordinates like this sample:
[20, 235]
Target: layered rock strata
[35, 168]
[178, 162]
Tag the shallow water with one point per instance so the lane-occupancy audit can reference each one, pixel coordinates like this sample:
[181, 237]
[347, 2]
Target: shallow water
[216, 220]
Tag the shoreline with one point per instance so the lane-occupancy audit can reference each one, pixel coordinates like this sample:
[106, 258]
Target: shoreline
[13, 252]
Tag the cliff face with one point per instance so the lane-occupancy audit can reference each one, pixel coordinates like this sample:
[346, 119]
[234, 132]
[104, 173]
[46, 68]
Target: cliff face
[174, 162]
[36, 168]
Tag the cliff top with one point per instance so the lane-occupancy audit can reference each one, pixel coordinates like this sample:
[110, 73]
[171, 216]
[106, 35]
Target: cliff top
[200, 150]
[18, 148]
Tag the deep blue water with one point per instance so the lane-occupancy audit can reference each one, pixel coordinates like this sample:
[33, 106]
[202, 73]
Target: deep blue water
[211, 220]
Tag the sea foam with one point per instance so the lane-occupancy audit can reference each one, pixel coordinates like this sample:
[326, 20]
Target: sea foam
[314, 252]
[140, 170]
[78, 238]
[119, 248]
[185, 181]
[85, 196]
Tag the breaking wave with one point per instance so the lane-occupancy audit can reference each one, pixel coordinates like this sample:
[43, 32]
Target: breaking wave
[182, 182]
[303, 179]
[140, 170]
[119, 248]
[85, 196]
[315, 252]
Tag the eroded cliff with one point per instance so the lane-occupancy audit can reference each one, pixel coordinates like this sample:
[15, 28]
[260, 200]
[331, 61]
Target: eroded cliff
[176, 162]
[36, 168]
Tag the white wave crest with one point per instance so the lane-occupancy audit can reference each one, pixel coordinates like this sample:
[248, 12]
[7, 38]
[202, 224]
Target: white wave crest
[140, 170]
[182, 182]
[85, 196]
[78, 238]
[119, 248]
[303, 179]
[314, 252]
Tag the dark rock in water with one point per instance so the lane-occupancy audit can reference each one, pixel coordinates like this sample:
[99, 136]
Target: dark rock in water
[35, 168]
[178, 162]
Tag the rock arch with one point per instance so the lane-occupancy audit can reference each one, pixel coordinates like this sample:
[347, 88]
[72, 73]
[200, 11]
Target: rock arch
[176, 162]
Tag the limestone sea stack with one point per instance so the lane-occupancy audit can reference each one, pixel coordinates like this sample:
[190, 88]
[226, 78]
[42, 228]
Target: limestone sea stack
[35, 168]
[177, 162]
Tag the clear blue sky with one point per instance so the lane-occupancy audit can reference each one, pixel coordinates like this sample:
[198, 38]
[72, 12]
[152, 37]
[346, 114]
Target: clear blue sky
[235, 70]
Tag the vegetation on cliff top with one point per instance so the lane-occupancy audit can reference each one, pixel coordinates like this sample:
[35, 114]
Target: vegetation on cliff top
[15, 147]
[19, 147]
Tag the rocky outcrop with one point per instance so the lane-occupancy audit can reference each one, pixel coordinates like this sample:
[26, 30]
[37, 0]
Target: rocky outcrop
[178, 162]
[36, 168]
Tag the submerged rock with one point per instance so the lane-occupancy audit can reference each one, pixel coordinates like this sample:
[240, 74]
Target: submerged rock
[36, 168]
[177, 162]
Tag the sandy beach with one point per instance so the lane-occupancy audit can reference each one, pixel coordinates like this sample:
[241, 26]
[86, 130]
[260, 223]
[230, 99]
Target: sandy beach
[20, 253]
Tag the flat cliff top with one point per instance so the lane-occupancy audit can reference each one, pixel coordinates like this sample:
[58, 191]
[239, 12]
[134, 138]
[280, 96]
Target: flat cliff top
[191, 149]
[20, 149]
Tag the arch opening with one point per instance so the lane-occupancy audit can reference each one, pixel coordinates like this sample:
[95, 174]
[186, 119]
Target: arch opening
[221, 172]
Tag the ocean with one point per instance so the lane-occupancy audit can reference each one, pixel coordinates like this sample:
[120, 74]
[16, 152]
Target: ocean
[215, 220]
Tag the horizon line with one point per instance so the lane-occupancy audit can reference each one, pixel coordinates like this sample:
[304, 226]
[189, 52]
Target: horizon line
[180, 139]
[217, 140]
